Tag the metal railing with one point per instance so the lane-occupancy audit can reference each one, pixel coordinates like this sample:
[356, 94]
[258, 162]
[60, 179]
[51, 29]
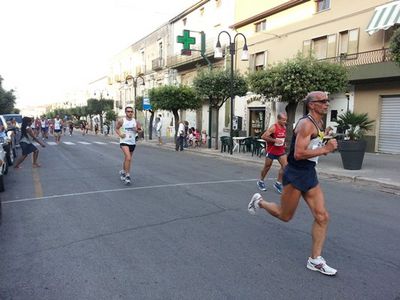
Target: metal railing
[361, 58]
[157, 64]
[195, 56]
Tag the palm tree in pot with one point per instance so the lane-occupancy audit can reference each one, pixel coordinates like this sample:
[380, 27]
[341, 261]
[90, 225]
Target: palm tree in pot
[352, 146]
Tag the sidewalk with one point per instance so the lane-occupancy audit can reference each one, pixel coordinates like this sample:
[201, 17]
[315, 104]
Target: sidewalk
[380, 169]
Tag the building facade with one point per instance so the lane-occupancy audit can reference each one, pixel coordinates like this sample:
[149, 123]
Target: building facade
[338, 31]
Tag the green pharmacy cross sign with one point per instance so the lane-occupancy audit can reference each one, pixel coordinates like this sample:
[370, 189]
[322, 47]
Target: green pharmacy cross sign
[186, 40]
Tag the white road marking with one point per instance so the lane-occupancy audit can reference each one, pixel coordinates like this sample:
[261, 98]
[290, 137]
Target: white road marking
[116, 143]
[51, 143]
[100, 143]
[84, 143]
[69, 143]
[128, 189]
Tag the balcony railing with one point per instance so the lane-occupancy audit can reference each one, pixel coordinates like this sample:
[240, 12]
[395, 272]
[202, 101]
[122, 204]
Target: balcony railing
[157, 64]
[361, 58]
[176, 60]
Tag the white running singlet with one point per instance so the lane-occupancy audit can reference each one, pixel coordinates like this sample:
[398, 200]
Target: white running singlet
[129, 128]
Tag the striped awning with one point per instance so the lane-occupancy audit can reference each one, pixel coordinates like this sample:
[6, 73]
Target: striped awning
[385, 16]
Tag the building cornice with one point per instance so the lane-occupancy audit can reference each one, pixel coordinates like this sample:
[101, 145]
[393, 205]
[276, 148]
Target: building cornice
[269, 12]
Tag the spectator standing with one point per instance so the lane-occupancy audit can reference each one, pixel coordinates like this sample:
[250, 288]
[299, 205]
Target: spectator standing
[158, 129]
[180, 137]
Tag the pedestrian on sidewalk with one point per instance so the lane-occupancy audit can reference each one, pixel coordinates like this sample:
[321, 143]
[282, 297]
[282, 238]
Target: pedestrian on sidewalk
[27, 136]
[180, 137]
[276, 149]
[300, 178]
[126, 129]
[158, 129]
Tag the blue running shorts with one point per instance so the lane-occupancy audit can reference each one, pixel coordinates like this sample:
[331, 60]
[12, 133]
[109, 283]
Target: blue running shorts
[301, 179]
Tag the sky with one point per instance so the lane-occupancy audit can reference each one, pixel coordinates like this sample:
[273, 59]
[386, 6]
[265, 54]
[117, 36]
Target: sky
[52, 47]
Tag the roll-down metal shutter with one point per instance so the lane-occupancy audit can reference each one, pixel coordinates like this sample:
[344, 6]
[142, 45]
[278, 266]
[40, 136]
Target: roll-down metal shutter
[389, 127]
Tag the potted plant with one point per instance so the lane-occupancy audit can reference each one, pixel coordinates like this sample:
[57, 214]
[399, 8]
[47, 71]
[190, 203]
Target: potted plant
[352, 146]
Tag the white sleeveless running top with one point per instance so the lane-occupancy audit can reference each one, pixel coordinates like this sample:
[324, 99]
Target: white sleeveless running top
[129, 128]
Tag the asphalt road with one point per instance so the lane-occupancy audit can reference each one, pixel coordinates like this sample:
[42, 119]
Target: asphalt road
[72, 230]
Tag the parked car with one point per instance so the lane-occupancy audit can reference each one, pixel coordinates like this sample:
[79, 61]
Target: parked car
[8, 141]
[17, 130]
[3, 164]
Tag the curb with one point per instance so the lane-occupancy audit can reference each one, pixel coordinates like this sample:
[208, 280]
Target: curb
[387, 187]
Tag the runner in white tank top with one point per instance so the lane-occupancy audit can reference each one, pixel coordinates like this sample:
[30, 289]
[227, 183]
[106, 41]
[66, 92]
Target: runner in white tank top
[126, 129]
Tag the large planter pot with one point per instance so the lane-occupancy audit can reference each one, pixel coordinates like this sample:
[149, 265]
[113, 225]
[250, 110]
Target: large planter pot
[352, 153]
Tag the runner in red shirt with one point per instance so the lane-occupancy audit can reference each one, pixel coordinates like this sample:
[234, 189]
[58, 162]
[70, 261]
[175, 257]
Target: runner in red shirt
[276, 149]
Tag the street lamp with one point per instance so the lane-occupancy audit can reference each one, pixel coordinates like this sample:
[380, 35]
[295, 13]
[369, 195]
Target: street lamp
[134, 80]
[101, 94]
[244, 57]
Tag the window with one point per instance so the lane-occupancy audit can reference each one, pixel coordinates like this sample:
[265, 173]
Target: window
[160, 50]
[321, 47]
[348, 42]
[331, 40]
[323, 5]
[307, 48]
[261, 26]
[258, 61]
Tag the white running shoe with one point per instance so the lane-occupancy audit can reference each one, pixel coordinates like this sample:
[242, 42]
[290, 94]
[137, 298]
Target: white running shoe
[127, 180]
[254, 203]
[319, 264]
[122, 175]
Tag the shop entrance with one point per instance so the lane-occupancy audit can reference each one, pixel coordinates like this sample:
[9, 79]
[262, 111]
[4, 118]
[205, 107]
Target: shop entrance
[256, 121]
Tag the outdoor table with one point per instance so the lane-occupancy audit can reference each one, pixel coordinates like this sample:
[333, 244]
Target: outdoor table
[236, 142]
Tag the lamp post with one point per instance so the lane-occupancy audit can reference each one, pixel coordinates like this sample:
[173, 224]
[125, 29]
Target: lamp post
[101, 93]
[232, 51]
[134, 81]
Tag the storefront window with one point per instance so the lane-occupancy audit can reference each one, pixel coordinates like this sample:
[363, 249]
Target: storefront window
[257, 122]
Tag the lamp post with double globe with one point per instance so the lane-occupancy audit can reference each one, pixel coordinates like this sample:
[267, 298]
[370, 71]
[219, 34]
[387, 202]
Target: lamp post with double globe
[232, 52]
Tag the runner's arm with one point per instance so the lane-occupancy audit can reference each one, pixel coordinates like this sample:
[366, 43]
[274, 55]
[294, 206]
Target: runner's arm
[304, 131]
[117, 129]
[266, 136]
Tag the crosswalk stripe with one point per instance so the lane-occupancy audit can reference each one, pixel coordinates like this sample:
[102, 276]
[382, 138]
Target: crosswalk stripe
[100, 143]
[116, 143]
[69, 143]
[51, 143]
[84, 143]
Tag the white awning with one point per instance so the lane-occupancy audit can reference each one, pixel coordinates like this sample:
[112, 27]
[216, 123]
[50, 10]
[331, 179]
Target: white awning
[385, 16]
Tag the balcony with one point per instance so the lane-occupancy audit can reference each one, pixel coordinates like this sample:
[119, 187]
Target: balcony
[189, 61]
[361, 58]
[157, 64]
[372, 66]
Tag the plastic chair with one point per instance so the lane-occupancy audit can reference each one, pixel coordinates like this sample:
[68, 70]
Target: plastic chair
[226, 143]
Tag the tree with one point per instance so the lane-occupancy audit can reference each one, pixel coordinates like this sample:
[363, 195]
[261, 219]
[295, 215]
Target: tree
[395, 46]
[7, 100]
[174, 98]
[215, 86]
[291, 80]
[78, 111]
[98, 107]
